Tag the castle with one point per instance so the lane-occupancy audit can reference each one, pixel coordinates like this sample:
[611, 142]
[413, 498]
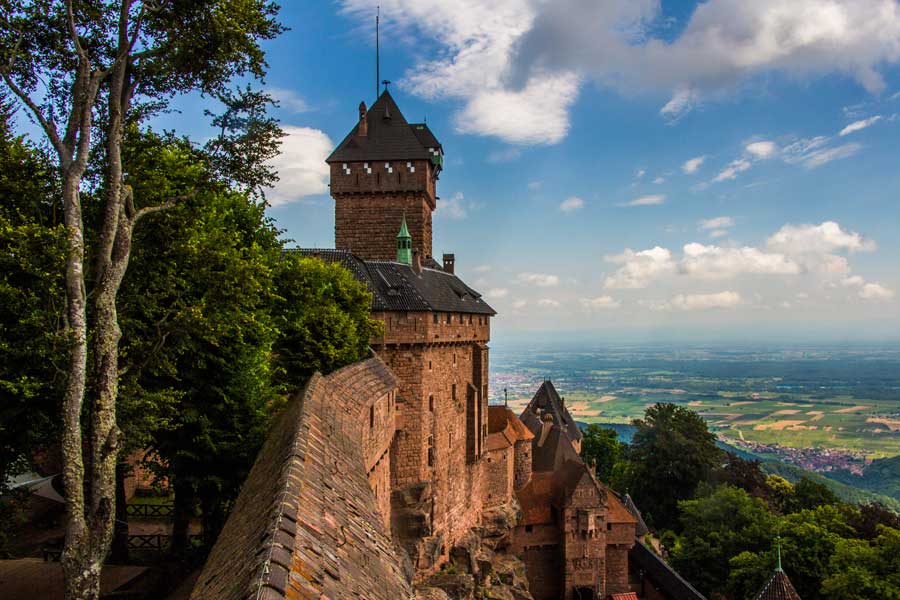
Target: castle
[382, 474]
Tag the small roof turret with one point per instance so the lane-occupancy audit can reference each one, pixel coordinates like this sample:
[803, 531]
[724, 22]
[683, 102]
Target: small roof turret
[779, 587]
[404, 244]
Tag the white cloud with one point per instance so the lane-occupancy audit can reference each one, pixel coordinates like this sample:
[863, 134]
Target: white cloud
[571, 204]
[600, 303]
[548, 303]
[639, 268]
[640, 173]
[875, 291]
[496, 293]
[289, 100]
[539, 279]
[482, 268]
[716, 262]
[857, 125]
[456, 207]
[826, 155]
[718, 233]
[731, 171]
[300, 165]
[516, 65]
[681, 103]
[719, 300]
[716, 223]
[651, 200]
[690, 166]
[762, 150]
[826, 237]
[519, 304]
[659, 180]
[853, 281]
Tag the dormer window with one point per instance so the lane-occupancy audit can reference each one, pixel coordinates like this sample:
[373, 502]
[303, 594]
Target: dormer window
[346, 168]
[367, 168]
[388, 167]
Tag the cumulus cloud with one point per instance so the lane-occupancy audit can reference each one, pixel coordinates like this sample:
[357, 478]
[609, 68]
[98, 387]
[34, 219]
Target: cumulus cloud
[763, 149]
[715, 262]
[300, 165]
[857, 125]
[456, 207]
[690, 166]
[826, 237]
[599, 303]
[817, 251]
[539, 279]
[497, 293]
[548, 303]
[651, 200]
[875, 291]
[719, 300]
[639, 268]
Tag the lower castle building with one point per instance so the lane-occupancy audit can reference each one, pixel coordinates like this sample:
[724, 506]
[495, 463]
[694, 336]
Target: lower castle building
[382, 476]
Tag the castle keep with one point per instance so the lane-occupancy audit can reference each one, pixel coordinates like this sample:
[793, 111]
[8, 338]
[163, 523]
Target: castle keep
[381, 476]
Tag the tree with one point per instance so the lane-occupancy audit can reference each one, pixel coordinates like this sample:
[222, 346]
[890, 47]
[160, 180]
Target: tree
[860, 570]
[715, 528]
[671, 452]
[601, 447]
[106, 57]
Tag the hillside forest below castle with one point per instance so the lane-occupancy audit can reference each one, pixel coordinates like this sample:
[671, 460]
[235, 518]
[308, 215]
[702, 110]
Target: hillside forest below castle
[149, 307]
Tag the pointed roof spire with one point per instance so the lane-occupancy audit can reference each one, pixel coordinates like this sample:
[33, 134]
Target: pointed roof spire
[404, 243]
[779, 587]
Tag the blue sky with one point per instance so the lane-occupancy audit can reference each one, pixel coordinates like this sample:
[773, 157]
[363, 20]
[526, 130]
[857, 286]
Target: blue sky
[569, 127]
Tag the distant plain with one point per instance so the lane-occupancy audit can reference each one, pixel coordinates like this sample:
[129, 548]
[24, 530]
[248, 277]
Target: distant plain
[845, 398]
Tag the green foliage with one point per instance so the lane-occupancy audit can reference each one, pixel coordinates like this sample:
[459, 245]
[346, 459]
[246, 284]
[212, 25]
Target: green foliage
[32, 302]
[671, 453]
[602, 447]
[716, 527]
[861, 570]
[322, 318]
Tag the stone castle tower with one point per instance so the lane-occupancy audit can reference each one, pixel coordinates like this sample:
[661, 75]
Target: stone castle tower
[384, 169]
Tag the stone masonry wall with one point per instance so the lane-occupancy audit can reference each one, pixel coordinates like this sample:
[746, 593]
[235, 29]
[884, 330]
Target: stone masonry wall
[617, 569]
[370, 202]
[498, 472]
[440, 360]
[585, 539]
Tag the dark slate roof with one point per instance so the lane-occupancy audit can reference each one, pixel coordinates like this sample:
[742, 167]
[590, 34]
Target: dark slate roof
[548, 399]
[306, 523]
[779, 587]
[551, 453]
[397, 287]
[660, 574]
[389, 137]
[641, 529]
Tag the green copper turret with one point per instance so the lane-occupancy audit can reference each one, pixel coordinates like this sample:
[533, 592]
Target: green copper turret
[404, 244]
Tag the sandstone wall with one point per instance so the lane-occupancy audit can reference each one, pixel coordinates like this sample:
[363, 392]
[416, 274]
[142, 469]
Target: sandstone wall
[370, 202]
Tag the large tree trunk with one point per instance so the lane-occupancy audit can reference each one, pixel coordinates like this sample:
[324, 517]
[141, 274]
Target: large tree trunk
[184, 511]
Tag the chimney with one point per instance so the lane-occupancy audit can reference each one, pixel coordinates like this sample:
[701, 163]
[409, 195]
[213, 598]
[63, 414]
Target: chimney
[449, 262]
[417, 261]
[363, 124]
[546, 426]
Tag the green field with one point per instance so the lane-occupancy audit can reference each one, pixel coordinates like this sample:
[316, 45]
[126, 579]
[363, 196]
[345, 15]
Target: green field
[835, 399]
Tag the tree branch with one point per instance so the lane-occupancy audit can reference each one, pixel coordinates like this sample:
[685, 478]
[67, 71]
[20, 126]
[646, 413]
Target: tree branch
[70, 21]
[48, 125]
[171, 202]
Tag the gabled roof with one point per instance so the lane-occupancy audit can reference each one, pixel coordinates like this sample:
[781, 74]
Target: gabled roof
[547, 399]
[388, 137]
[397, 287]
[779, 587]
